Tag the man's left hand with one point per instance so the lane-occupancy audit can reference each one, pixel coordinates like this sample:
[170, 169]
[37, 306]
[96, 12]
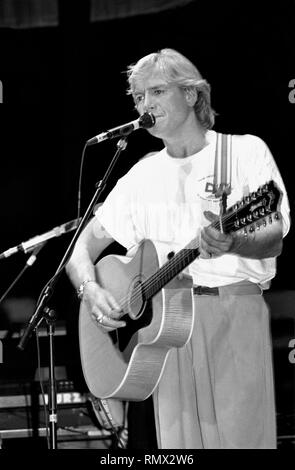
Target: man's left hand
[214, 243]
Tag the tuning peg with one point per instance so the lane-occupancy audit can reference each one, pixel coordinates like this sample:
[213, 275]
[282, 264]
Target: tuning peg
[264, 223]
[270, 219]
[259, 191]
[251, 229]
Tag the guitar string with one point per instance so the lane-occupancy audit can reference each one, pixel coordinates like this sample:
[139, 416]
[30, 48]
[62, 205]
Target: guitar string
[179, 257]
[170, 266]
[192, 245]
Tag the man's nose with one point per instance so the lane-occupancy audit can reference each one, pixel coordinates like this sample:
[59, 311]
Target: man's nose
[148, 103]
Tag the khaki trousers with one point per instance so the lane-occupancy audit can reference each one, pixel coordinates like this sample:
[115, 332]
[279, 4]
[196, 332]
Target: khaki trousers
[217, 392]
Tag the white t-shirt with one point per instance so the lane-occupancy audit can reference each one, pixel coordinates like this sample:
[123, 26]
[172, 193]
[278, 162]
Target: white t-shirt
[163, 199]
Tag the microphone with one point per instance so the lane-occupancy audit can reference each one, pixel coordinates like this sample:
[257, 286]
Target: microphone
[145, 121]
[30, 244]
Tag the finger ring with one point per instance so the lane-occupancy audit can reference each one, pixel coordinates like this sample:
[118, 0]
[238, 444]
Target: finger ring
[100, 318]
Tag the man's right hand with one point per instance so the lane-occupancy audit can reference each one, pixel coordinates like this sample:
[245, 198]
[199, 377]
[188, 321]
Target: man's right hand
[104, 309]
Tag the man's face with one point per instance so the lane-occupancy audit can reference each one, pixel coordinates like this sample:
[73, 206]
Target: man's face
[167, 102]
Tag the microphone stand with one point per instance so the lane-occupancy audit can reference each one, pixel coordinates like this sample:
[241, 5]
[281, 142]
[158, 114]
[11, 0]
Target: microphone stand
[42, 309]
[30, 261]
[50, 316]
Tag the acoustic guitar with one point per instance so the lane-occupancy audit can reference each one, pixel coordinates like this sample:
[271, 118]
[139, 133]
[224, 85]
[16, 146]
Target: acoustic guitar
[158, 306]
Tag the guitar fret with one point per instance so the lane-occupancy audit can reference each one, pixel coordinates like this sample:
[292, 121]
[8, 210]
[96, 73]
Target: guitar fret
[235, 218]
[168, 271]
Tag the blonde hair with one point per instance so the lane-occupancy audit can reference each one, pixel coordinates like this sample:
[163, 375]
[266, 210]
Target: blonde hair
[179, 70]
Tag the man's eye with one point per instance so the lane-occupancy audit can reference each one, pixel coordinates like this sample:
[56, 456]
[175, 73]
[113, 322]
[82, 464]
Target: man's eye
[138, 99]
[158, 91]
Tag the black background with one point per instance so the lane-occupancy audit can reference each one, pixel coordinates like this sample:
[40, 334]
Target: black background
[62, 85]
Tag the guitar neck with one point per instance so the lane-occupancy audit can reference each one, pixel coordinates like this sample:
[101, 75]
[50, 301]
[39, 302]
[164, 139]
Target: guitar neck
[169, 270]
[176, 264]
[248, 212]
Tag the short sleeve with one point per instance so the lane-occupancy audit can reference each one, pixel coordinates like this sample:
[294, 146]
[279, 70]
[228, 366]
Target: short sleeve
[115, 214]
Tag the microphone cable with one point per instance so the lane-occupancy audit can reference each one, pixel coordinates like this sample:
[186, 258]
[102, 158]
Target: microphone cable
[80, 181]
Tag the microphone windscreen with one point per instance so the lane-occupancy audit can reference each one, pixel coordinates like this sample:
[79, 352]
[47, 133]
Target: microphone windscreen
[147, 120]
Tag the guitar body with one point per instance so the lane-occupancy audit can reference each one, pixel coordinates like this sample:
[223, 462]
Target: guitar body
[158, 307]
[128, 364]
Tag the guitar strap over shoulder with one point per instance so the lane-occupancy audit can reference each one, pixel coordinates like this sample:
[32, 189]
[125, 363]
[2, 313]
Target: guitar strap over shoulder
[223, 165]
[222, 169]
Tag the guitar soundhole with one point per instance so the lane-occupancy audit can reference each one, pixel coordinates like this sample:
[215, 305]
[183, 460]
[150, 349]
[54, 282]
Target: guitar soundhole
[127, 338]
[137, 308]
[136, 301]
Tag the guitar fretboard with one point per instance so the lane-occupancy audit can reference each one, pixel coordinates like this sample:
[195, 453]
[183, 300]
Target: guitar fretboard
[247, 212]
[169, 270]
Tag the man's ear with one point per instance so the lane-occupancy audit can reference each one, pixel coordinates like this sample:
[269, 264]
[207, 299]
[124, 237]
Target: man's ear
[191, 95]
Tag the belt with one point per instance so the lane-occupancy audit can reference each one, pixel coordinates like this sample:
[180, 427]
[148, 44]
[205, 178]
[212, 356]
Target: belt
[204, 290]
[238, 288]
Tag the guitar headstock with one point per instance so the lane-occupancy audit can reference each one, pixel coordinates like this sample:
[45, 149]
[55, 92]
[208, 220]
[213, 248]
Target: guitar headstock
[259, 208]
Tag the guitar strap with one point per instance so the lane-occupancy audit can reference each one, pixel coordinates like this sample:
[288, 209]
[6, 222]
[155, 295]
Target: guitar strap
[223, 169]
[223, 164]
